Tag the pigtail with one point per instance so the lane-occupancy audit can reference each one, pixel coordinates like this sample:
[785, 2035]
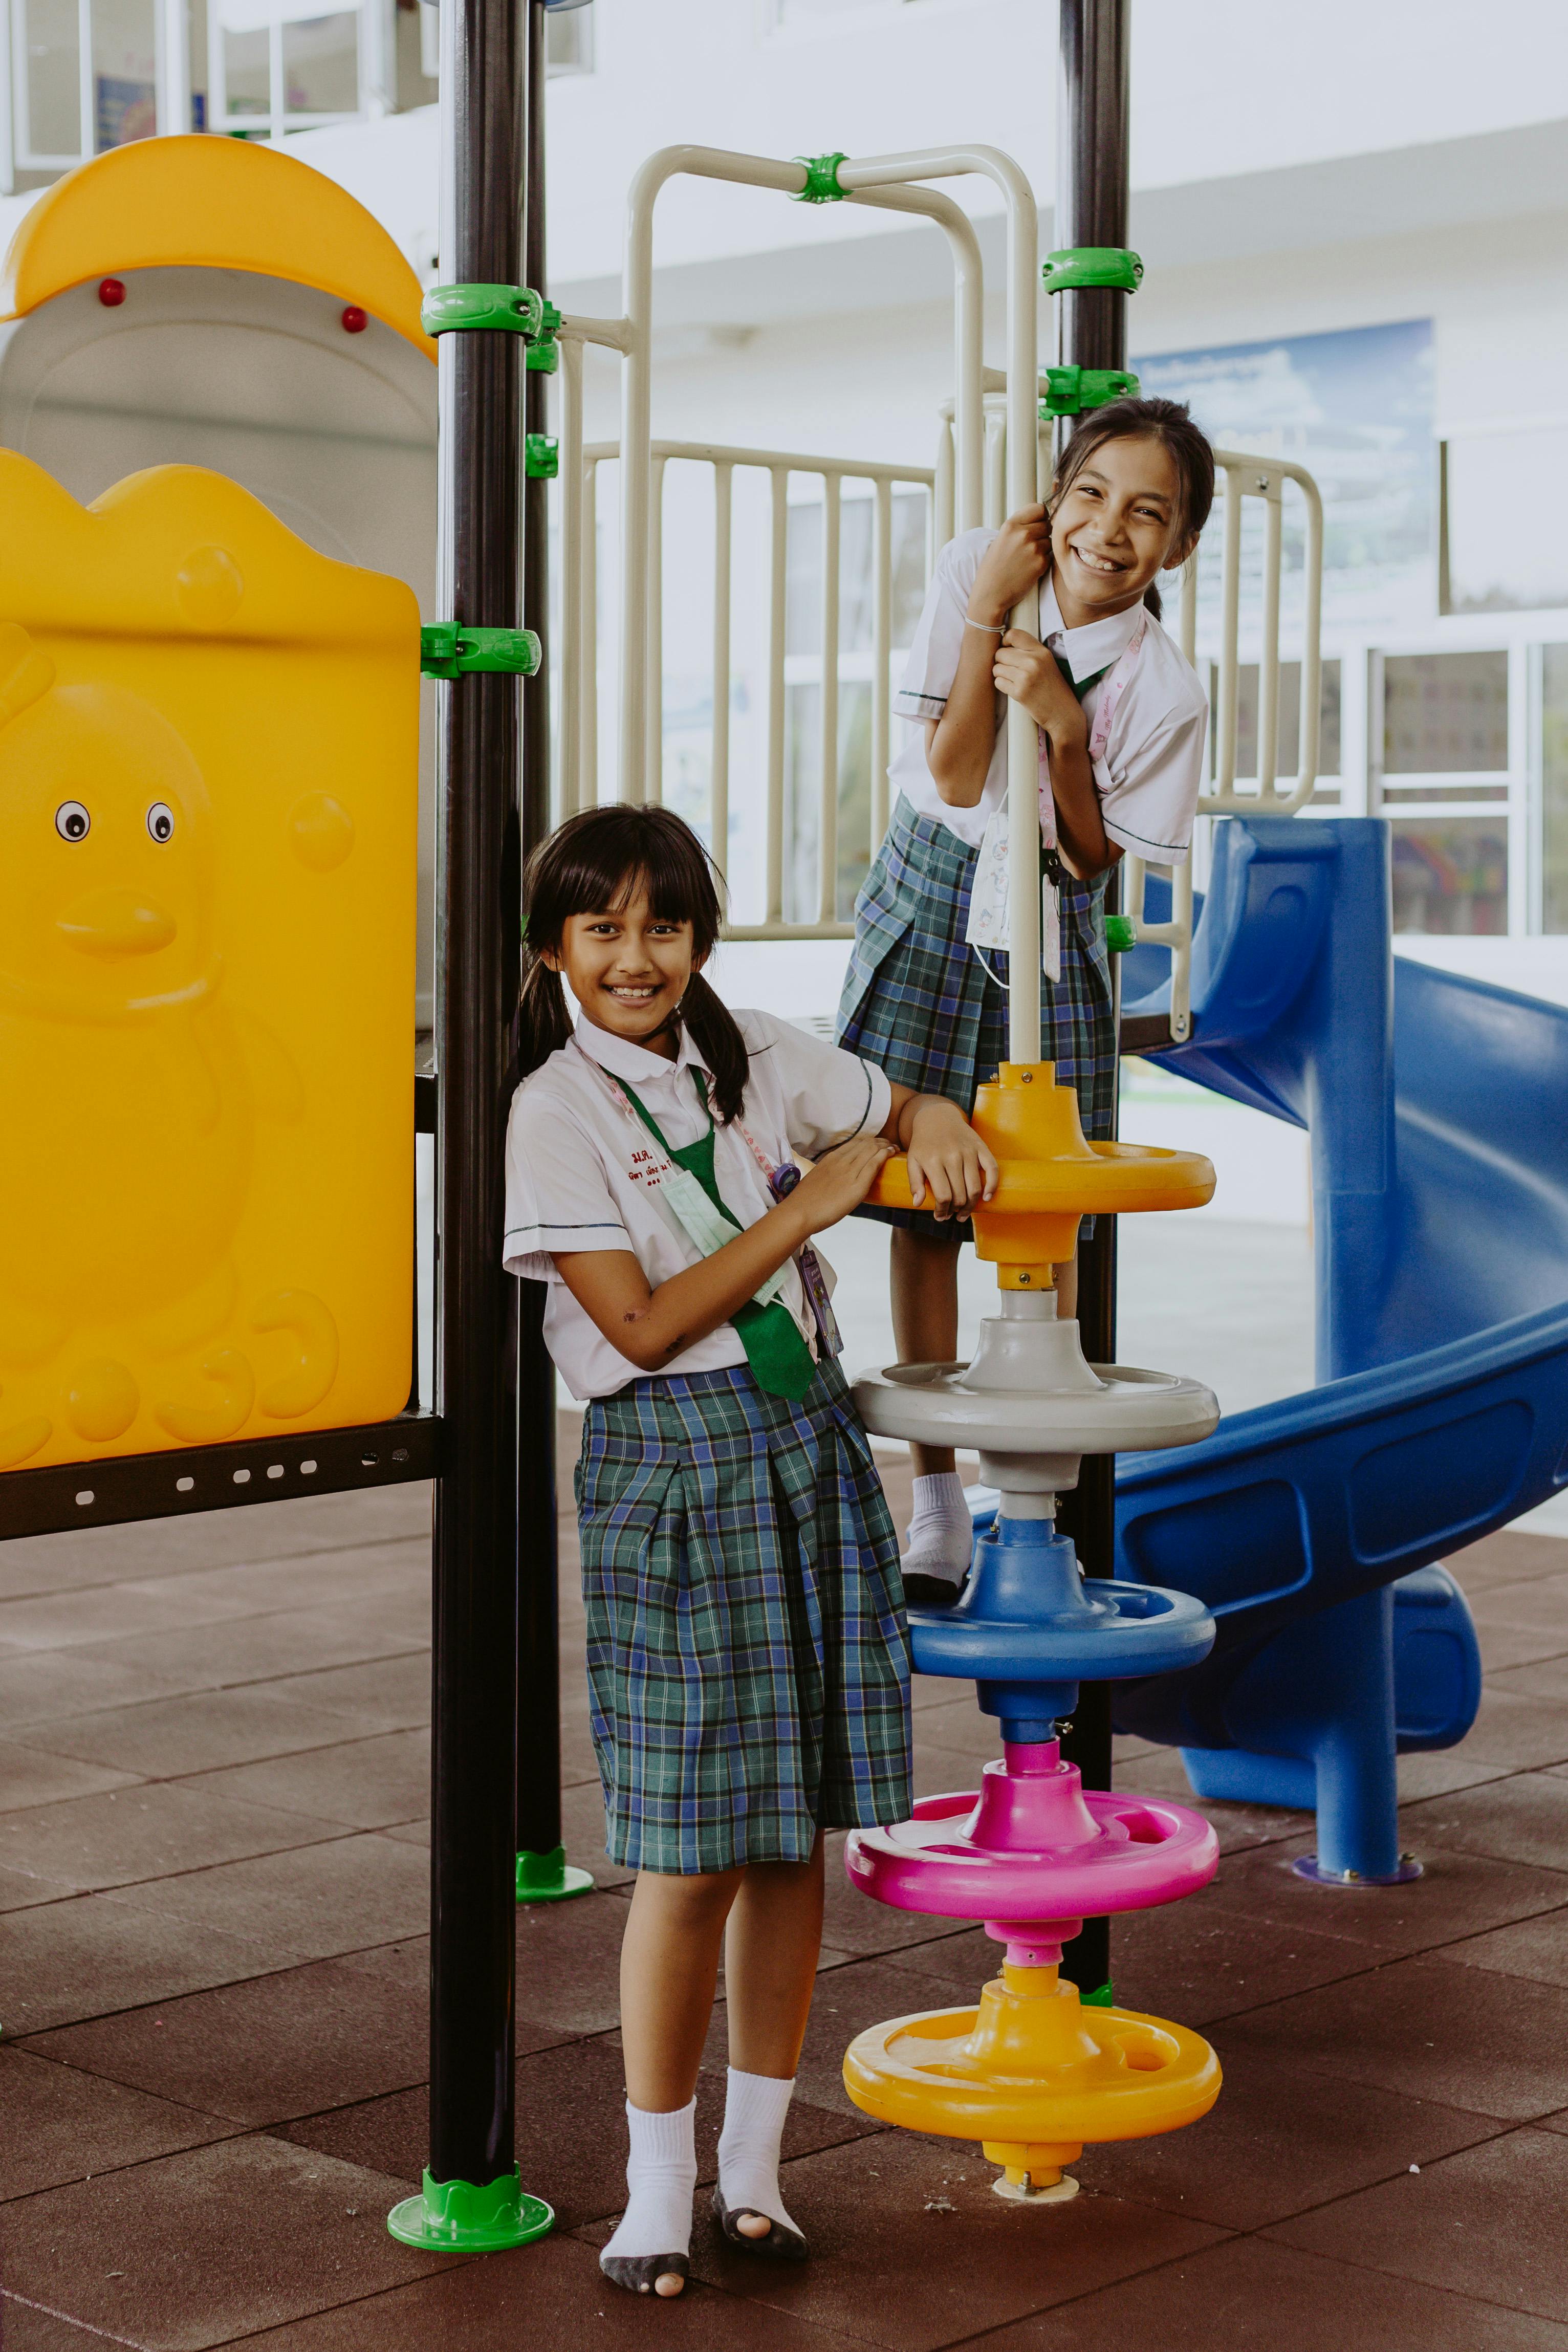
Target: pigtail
[717, 1037]
[543, 1023]
[1152, 599]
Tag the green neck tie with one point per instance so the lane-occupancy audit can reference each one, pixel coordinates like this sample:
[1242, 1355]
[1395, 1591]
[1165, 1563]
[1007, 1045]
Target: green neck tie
[781, 1362]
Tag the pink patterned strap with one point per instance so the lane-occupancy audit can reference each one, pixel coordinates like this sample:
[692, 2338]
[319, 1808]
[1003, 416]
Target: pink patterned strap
[1115, 687]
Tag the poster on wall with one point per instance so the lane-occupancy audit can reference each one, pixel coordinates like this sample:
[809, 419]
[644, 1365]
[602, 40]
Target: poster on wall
[1355, 408]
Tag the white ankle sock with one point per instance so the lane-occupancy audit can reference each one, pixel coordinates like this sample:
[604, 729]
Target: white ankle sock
[661, 2176]
[755, 2110]
[941, 1533]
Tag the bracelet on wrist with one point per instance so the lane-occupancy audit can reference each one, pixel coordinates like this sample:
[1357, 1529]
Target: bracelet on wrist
[990, 628]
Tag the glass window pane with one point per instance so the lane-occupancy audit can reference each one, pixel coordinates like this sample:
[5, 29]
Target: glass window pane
[1451, 877]
[1287, 753]
[124, 72]
[320, 65]
[1555, 787]
[1444, 713]
[247, 72]
[856, 537]
[569, 41]
[54, 88]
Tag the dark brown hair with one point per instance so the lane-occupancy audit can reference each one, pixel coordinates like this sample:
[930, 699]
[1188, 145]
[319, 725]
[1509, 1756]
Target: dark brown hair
[594, 863]
[1169, 421]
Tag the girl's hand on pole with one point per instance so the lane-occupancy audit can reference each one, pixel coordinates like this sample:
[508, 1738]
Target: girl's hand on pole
[947, 1160]
[838, 1182]
[1027, 673]
[1016, 561]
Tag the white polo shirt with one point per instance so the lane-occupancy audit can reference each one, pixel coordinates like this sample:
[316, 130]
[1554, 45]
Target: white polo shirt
[583, 1174]
[1149, 776]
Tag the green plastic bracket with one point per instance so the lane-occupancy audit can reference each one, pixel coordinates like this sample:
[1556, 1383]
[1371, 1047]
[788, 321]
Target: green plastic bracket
[447, 651]
[517, 309]
[541, 358]
[1093, 265]
[1102, 1997]
[549, 1878]
[541, 454]
[1120, 934]
[456, 2216]
[1070, 389]
[821, 180]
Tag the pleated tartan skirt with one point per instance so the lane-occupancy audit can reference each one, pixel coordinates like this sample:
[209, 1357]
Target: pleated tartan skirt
[748, 1657]
[919, 1002]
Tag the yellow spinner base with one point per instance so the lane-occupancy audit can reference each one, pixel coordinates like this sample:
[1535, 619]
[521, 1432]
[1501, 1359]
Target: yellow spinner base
[1032, 2074]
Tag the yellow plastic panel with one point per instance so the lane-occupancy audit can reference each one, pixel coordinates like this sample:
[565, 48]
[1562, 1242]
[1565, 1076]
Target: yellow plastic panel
[208, 782]
[199, 201]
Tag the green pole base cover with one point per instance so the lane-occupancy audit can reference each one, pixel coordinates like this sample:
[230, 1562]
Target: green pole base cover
[549, 1878]
[1102, 1997]
[458, 2217]
[1120, 933]
[1093, 265]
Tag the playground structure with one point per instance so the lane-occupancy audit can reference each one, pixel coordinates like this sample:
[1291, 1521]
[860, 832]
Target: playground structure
[1309, 1532]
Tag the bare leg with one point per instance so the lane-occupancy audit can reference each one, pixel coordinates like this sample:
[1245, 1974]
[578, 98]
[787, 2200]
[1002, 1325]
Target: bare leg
[771, 1949]
[925, 1320]
[670, 1971]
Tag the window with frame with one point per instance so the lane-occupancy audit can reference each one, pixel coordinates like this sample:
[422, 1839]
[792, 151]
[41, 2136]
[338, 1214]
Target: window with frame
[277, 66]
[84, 79]
[1444, 780]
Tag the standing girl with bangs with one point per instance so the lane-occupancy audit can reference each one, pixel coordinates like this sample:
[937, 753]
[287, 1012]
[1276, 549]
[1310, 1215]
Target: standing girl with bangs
[748, 1661]
[1122, 719]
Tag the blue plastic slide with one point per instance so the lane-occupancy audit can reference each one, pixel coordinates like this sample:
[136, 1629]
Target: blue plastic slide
[1438, 1109]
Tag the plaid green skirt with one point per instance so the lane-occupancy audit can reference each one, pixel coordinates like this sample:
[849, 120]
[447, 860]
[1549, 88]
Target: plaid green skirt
[919, 1002]
[748, 1659]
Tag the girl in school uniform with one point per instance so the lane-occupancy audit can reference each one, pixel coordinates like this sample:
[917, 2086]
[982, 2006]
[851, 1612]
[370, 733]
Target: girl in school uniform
[1122, 720]
[747, 1654]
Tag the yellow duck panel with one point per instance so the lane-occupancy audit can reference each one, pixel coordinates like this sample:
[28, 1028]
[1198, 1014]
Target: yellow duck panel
[209, 784]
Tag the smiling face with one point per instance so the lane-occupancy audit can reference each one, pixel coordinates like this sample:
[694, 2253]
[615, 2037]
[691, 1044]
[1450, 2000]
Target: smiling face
[104, 856]
[628, 969]
[1115, 527]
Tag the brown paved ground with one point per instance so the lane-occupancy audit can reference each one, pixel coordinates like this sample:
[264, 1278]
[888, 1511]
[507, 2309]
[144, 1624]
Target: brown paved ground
[213, 1769]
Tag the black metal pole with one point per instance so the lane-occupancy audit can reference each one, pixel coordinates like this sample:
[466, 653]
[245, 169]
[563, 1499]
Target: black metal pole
[1091, 209]
[541, 1862]
[471, 2196]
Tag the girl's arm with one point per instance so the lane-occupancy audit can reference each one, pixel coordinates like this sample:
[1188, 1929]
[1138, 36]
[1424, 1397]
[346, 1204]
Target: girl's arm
[946, 1157]
[1027, 672]
[959, 745]
[649, 1327]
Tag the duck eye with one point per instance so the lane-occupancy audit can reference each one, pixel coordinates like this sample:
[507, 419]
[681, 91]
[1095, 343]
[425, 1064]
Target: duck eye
[73, 821]
[160, 820]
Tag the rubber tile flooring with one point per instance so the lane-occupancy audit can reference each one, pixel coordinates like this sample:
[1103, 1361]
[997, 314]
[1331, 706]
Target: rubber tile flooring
[214, 1782]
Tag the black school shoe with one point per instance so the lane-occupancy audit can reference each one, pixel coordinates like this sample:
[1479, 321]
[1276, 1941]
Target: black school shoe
[780, 2245]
